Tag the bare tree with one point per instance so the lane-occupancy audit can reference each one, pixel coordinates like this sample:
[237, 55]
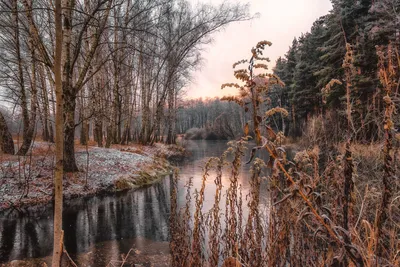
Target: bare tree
[124, 64]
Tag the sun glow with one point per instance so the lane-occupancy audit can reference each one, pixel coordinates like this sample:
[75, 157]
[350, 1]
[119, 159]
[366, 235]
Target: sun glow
[278, 22]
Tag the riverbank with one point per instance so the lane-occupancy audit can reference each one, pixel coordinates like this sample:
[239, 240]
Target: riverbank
[28, 181]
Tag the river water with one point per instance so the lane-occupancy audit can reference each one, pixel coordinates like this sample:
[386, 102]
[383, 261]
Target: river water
[101, 228]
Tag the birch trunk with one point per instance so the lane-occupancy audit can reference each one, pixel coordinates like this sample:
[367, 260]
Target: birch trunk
[59, 171]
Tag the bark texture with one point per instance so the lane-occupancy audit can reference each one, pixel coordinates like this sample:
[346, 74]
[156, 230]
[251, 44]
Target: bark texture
[59, 170]
[6, 141]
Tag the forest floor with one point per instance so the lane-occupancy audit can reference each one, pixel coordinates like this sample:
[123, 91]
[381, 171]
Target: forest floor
[28, 181]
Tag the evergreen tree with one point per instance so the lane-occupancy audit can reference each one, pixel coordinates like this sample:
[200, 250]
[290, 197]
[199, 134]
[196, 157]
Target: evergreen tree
[316, 58]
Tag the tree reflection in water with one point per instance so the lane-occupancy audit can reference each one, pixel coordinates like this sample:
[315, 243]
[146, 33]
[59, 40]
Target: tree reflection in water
[124, 216]
[101, 228]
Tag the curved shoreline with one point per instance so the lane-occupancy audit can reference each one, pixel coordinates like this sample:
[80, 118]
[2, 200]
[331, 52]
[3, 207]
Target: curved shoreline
[110, 170]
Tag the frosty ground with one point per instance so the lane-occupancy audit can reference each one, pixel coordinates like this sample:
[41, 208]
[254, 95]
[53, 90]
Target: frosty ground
[28, 181]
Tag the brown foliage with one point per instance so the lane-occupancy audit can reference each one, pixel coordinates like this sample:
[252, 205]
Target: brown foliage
[340, 213]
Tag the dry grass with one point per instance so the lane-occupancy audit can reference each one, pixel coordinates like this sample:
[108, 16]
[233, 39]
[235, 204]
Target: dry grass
[306, 224]
[336, 204]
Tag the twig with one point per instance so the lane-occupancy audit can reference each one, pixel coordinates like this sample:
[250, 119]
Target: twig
[44, 192]
[69, 258]
[126, 257]
[123, 260]
[362, 207]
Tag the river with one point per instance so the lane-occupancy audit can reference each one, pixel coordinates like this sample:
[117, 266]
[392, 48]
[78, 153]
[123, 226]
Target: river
[99, 229]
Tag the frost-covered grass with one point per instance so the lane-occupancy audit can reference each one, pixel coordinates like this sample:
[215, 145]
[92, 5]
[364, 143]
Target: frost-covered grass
[29, 180]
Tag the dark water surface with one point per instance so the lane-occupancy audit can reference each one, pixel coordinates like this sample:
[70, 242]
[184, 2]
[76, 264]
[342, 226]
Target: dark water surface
[107, 226]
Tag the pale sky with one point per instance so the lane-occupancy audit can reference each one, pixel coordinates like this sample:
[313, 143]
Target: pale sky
[279, 22]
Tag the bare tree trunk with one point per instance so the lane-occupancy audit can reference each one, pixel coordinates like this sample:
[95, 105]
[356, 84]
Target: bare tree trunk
[110, 136]
[47, 133]
[157, 123]
[69, 132]
[98, 123]
[69, 94]
[125, 135]
[85, 105]
[84, 136]
[144, 134]
[59, 171]
[6, 141]
[51, 129]
[45, 136]
[24, 104]
[98, 132]
[134, 135]
[52, 107]
[70, 90]
[116, 118]
[29, 123]
[171, 115]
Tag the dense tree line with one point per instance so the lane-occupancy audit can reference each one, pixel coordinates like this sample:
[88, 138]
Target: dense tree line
[123, 65]
[313, 69]
[224, 119]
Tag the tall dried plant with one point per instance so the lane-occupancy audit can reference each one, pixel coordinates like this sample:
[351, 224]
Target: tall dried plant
[254, 87]
[387, 77]
[308, 222]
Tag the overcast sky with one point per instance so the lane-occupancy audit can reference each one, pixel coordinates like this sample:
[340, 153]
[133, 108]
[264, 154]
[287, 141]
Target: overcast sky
[279, 22]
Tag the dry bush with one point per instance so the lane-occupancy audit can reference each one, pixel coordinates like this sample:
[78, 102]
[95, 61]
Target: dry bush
[333, 205]
[206, 238]
[306, 224]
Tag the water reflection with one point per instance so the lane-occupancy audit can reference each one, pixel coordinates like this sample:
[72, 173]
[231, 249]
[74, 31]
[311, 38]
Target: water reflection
[98, 229]
[142, 213]
[202, 151]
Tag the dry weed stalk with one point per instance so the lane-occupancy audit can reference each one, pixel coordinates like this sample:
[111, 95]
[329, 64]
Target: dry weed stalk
[251, 250]
[387, 76]
[215, 223]
[197, 251]
[256, 86]
[180, 228]
[231, 233]
[309, 222]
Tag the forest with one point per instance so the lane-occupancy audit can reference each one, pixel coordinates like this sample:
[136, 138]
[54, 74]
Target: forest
[93, 103]
[316, 76]
[124, 63]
